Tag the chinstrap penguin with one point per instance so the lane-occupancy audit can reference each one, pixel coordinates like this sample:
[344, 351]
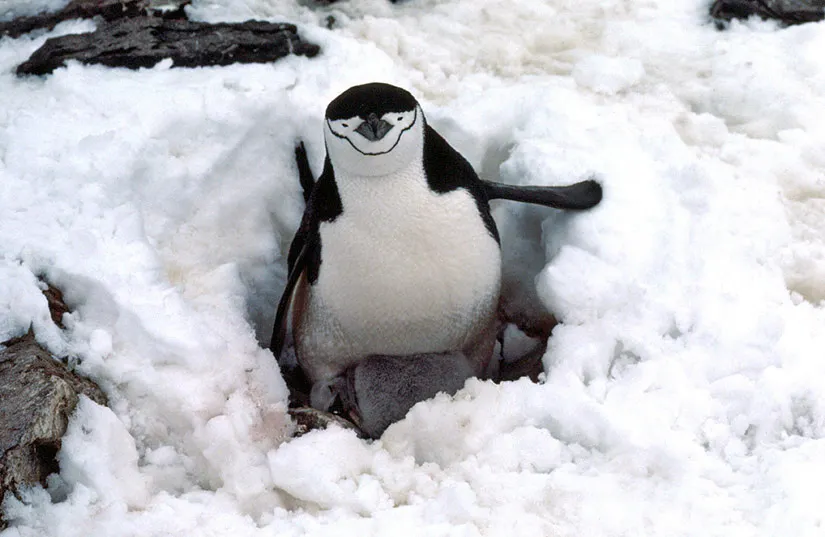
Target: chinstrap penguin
[395, 270]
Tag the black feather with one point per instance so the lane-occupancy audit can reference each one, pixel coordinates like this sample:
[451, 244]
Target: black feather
[447, 170]
[578, 196]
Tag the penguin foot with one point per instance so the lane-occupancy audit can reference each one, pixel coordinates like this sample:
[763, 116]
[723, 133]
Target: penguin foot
[298, 385]
[523, 344]
[308, 419]
[539, 326]
[530, 365]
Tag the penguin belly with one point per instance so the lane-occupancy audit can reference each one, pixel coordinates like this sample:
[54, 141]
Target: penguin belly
[404, 271]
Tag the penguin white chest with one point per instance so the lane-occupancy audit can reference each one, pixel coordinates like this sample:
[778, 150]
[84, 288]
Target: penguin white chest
[404, 270]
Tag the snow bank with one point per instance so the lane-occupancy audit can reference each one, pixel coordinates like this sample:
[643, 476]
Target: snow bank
[683, 391]
[12, 9]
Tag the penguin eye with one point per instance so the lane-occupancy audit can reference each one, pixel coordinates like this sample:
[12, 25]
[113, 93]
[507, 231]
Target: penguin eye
[400, 118]
[345, 125]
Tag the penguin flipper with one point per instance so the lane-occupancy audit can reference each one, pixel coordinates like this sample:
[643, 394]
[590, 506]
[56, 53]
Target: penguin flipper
[299, 252]
[304, 255]
[578, 196]
[305, 176]
[282, 314]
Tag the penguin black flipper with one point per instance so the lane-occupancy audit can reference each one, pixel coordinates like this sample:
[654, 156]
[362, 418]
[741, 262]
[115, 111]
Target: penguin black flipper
[298, 249]
[578, 196]
[323, 204]
[305, 176]
[281, 315]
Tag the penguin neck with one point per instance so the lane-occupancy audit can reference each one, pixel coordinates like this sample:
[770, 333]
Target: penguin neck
[384, 193]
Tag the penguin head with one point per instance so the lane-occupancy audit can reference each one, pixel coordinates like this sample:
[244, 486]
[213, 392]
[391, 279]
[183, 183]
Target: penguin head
[374, 129]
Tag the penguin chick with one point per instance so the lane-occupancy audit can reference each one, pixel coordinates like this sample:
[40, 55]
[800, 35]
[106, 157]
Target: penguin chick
[380, 390]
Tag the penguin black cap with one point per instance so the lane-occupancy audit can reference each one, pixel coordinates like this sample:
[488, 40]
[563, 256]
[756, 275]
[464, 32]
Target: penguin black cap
[377, 98]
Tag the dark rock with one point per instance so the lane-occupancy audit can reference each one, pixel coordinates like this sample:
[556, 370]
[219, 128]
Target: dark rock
[109, 10]
[144, 41]
[37, 396]
[57, 307]
[787, 12]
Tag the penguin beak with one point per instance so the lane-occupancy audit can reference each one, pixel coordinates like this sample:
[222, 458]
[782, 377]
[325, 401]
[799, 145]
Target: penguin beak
[374, 128]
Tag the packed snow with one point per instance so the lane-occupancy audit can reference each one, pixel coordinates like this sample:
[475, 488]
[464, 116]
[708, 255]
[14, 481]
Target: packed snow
[11, 9]
[684, 391]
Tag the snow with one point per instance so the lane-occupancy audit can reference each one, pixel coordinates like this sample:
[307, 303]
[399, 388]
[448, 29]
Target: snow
[683, 393]
[11, 9]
